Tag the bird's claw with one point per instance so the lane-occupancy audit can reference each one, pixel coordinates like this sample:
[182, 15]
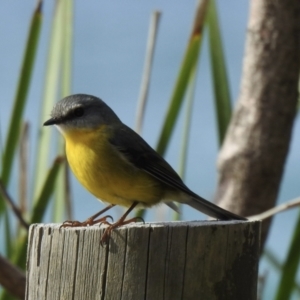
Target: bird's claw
[111, 227]
[88, 222]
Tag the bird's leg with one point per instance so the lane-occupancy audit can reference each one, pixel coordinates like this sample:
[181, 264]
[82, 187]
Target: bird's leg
[119, 223]
[91, 220]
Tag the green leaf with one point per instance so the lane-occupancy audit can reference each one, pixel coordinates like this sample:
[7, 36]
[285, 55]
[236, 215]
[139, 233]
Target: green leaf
[8, 234]
[189, 61]
[186, 130]
[188, 64]
[220, 79]
[21, 97]
[39, 209]
[50, 93]
[61, 199]
[46, 192]
[290, 267]
[274, 261]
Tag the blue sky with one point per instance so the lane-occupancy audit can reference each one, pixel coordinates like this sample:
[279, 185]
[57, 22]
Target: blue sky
[109, 49]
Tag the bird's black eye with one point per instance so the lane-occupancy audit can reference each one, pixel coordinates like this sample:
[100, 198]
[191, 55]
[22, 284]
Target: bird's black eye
[78, 112]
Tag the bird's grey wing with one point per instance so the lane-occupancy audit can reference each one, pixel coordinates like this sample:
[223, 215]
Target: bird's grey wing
[141, 155]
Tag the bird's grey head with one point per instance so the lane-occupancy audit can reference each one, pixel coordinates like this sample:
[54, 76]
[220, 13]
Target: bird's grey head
[81, 112]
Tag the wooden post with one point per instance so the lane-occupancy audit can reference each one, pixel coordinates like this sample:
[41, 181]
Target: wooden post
[176, 260]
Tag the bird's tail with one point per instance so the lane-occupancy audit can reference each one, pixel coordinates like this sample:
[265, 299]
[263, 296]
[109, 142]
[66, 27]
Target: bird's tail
[211, 209]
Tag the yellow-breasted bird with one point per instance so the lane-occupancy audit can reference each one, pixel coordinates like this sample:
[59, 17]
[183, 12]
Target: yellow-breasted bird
[116, 165]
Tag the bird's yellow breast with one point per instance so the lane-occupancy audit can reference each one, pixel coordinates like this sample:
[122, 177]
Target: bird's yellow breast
[105, 173]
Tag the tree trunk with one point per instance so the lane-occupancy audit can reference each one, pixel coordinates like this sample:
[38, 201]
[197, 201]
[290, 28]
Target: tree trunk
[251, 161]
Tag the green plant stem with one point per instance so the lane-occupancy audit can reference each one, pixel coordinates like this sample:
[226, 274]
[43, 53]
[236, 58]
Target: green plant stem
[219, 73]
[21, 96]
[186, 131]
[290, 266]
[189, 61]
[62, 193]
[50, 93]
[39, 209]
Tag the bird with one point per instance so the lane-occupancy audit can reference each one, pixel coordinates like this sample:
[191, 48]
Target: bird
[117, 165]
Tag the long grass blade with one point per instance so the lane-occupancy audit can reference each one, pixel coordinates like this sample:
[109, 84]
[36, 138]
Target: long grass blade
[16, 210]
[21, 96]
[186, 130]
[39, 209]
[50, 94]
[290, 267]
[219, 73]
[46, 191]
[62, 191]
[189, 61]
[147, 70]
[274, 261]
[184, 76]
[9, 246]
[23, 168]
[9, 238]
[187, 123]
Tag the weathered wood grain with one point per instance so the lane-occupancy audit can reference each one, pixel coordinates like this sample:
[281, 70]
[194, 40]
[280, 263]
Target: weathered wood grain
[177, 260]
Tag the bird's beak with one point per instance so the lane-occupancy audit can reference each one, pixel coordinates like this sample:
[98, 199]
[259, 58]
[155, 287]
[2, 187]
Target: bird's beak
[51, 121]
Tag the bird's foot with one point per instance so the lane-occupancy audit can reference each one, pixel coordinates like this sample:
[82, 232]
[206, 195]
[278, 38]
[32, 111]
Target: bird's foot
[115, 225]
[91, 220]
[88, 222]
